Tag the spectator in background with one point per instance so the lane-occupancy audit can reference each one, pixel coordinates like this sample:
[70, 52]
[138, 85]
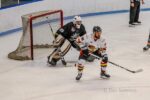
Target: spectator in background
[134, 12]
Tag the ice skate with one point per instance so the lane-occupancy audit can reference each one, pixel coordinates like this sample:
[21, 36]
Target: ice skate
[63, 61]
[137, 23]
[145, 48]
[52, 62]
[132, 25]
[104, 75]
[78, 76]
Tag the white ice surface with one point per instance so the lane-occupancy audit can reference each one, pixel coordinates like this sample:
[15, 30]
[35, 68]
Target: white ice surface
[34, 80]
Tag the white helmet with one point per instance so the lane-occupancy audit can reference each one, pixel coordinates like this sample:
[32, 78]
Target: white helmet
[77, 21]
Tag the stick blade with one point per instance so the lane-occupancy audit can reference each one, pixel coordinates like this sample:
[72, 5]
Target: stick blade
[137, 71]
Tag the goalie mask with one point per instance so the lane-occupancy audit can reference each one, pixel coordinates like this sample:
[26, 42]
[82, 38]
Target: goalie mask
[77, 21]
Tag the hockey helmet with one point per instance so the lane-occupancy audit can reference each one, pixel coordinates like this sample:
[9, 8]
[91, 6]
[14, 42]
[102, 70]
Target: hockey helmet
[77, 21]
[97, 29]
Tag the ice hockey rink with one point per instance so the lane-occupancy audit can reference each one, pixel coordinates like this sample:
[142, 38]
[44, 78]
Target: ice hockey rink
[34, 80]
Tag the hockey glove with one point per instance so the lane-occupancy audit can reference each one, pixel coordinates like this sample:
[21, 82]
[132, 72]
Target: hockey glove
[75, 45]
[105, 58]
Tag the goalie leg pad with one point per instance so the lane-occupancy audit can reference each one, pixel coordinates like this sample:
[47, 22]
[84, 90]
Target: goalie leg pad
[65, 48]
[59, 52]
[58, 41]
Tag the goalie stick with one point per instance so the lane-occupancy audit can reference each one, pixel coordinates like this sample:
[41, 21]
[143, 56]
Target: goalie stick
[132, 71]
[50, 27]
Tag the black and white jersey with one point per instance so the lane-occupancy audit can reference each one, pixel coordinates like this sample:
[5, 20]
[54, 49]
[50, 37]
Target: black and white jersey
[70, 31]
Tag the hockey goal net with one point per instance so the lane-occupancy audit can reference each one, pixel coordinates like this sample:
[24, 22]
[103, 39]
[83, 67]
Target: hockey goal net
[38, 33]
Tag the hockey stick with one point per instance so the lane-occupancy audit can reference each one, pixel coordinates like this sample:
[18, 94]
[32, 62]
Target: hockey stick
[132, 71]
[50, 27]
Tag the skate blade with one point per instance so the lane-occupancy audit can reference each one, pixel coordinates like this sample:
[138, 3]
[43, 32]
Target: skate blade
[103, 77]
[131, 25]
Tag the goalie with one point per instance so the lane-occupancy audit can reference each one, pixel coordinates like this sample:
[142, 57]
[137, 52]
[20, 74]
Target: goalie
[65, 38]
[93, 44]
